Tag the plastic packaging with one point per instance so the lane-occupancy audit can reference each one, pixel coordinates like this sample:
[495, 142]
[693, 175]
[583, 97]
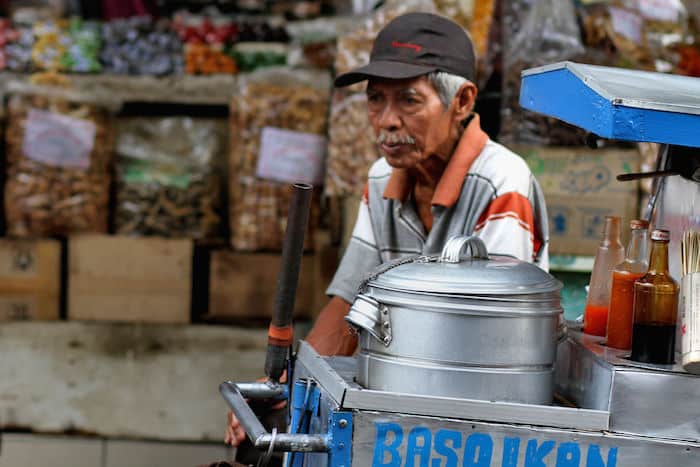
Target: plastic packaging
[18, 50]
[139, 46]
[655, 307]
[610, 253]
[635, 265]
[58, 169]
[351, 147]
[249, 56]
[280, 98]
[51, 44]
[536, 33]
[314, 43]
[83, 52]
[167, 181]
[208, 59]
[477, 18]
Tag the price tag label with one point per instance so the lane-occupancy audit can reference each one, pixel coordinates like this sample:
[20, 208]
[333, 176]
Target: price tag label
[661, 10]
[58, 140]
[627, 24]
[291, 156]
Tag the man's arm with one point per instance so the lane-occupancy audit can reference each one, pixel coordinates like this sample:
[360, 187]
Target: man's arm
[331, 334]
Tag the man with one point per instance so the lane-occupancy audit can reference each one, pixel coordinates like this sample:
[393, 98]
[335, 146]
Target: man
[440, 175]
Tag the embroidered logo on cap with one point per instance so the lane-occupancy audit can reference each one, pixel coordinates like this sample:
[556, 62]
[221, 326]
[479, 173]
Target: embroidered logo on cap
[406, 45]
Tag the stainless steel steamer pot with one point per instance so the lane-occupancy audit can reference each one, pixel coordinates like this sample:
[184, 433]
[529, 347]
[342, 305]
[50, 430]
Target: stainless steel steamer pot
[474, 327]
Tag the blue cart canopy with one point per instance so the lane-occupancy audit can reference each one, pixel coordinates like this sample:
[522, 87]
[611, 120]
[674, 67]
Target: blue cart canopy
[616, 103]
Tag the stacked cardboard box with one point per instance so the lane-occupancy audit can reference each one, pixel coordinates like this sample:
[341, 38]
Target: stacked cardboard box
[30, 279]
[580, 190]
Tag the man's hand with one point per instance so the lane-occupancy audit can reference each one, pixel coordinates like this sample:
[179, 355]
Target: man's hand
[235, 434]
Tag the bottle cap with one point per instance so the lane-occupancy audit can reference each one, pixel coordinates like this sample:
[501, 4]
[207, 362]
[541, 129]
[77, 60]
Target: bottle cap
[639, 224]
[661, 235]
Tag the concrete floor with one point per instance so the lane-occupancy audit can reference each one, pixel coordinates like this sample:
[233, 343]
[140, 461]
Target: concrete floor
[25, 450]
[122, 381]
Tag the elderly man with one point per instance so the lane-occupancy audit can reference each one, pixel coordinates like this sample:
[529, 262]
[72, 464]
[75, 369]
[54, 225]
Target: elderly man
[440, 175]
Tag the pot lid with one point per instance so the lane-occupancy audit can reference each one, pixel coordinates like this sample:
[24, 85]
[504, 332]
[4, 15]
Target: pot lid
[476, 274]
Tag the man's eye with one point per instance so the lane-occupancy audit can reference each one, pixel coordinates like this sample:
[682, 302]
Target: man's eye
[410, 100]
[373, 98]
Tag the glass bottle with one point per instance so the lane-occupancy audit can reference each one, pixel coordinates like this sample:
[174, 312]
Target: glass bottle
[655, 307]
[635, 265]
[610, 253]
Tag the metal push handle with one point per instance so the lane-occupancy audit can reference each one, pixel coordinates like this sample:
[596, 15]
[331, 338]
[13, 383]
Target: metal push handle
[280, 335]
[452, 250]
[261, 438]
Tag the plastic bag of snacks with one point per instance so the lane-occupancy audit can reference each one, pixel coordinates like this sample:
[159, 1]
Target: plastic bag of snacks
[139, 46]
[665, 26]
[17, 51]
[536, 33]
[51, 44]
[8, 35]
[259, 43]
[83, 51]
[167, 182]
[351, 147]
[58, 166]
[204, 37]
[614, 35]
[278, 120]
[206, 59]
[477, 18]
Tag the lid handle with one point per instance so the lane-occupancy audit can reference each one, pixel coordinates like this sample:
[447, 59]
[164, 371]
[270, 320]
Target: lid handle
[369, 315]
[452, 250]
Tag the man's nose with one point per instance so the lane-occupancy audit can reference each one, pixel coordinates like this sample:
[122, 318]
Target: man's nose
[389, 118]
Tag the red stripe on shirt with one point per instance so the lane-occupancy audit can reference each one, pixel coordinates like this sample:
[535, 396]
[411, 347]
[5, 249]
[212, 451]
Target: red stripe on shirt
[513, 205]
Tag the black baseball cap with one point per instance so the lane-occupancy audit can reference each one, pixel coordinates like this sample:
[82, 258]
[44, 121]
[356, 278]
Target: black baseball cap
[416, 44]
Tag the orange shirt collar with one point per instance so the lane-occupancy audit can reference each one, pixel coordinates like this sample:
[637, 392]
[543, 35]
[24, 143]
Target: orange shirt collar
[447, 191]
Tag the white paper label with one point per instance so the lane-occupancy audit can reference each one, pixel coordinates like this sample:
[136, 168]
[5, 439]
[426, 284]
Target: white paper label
[690, 313]
[58, 140]
[627, 24]
[661, 10]
[291, 156]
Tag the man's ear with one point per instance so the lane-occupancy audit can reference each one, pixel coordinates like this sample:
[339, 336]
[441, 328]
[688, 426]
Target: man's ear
[464, 100]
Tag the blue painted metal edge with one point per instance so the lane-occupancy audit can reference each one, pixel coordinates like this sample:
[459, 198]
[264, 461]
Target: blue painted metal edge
[561, 94]
[340, 437]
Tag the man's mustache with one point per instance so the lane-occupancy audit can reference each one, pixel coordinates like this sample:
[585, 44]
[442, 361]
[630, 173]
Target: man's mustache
[391, 137]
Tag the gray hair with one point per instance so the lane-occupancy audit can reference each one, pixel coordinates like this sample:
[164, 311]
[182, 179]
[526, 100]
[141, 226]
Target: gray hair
[446, 85]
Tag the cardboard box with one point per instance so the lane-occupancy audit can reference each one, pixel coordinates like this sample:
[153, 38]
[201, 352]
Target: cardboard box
[243, 285]
[580, 190]
[135, 279]
[30, 279]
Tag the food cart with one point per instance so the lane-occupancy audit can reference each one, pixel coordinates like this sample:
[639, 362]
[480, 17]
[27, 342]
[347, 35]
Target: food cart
[607, 411]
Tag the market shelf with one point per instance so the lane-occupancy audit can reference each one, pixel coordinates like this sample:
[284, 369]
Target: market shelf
[114, 90]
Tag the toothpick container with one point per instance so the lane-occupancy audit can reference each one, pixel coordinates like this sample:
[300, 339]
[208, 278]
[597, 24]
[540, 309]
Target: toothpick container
[690, 322]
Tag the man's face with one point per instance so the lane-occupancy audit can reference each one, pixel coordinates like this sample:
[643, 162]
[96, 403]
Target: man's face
[409, 121]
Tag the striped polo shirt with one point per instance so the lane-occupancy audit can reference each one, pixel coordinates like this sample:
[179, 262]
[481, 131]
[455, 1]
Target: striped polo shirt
[486, 190]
